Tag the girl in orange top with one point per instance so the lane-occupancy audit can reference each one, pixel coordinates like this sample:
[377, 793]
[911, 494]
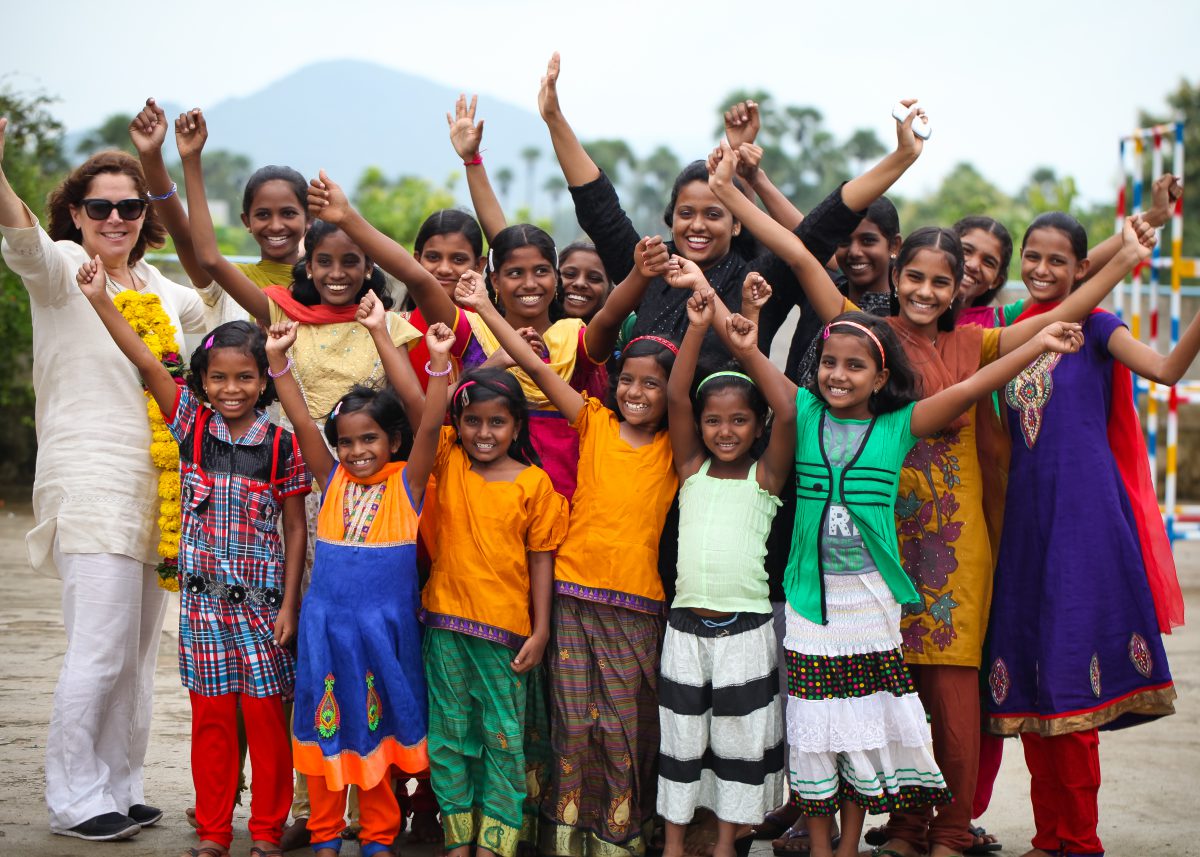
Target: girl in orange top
[608, 609]
[500, 521]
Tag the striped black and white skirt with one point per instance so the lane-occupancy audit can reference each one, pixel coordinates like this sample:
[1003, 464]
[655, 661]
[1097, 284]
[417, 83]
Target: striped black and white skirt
[720, 717]
[856, 728]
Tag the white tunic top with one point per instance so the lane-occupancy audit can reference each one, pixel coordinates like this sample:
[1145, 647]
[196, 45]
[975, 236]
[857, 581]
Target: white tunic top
[95, 487]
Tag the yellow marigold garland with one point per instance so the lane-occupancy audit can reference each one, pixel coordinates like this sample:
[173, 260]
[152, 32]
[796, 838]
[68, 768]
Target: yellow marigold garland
[145, 315]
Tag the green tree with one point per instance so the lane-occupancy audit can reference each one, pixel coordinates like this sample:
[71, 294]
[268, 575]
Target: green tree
[530, 155]
[555, 187]
[112, 133]
[504, 178]
[862, 148]
[398, 207]
[34, 163]
[610, 156]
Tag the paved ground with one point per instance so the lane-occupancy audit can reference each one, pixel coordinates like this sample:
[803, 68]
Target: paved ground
[1149, 803]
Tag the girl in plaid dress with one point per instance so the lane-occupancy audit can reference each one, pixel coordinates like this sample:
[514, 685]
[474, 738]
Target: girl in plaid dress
[240, 592]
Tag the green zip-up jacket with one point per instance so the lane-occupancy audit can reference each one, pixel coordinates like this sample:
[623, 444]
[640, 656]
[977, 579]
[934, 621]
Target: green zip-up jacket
[867, 487]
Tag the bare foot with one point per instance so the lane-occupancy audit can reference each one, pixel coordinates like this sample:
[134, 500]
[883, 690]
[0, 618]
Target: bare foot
[190, 812]
[207, 848]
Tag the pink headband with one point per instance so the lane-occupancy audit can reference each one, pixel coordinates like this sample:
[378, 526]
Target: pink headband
[462, 391]
[665, 343]
[864, 329]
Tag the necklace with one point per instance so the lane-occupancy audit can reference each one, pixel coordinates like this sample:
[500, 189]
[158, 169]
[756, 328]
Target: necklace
[115, 288]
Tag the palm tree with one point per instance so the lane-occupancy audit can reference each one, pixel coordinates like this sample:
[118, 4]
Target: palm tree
[530, 155]
[112, 133]
[504, 178]
[554, 187]
[609, 155]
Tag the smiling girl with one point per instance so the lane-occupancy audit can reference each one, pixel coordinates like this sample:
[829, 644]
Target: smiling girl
[948, 491]
[1086, 544]
[608, 602]
[241, 590]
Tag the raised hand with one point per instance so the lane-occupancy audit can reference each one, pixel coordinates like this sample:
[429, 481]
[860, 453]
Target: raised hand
[1139, 236]
[742, 123]
[722, 164]
[91, 278]
[548, 91]
[191, 132]
[756, 291]
[1164, 193]
[439, 339]
[749, 157]
[280, 337]
[683, 273]
[1062, 337]
[531, 336]
[651, 257]
[465, 133]
[701, 307]
[148, 129]
[743, 334]
[906, 140]
[471, 292]
[371, 313]
[326, 199]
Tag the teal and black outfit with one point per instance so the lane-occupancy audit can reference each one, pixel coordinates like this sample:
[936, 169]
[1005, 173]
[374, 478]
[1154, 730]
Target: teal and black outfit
[856, 728]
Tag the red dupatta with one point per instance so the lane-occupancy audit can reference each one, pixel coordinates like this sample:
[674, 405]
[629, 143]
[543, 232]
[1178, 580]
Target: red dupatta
[1133, 462]
[316, 314]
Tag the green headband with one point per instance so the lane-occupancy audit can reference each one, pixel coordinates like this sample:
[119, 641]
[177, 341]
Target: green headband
[728, 373]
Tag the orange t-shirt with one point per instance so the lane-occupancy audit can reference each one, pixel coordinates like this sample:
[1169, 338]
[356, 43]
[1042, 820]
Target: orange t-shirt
[621, 501]
[479, 584]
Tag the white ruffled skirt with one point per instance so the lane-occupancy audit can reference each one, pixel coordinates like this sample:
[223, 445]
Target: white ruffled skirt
[855, 725]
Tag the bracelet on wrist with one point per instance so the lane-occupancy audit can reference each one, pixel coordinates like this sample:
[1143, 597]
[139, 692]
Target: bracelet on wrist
[429, 371]
[474, 162]
[287, 368]
[159, 198]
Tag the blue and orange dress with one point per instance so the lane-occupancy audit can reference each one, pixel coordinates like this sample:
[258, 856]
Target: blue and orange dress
[360, 706]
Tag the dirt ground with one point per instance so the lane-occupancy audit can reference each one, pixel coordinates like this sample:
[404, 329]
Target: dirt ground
[1149, 803]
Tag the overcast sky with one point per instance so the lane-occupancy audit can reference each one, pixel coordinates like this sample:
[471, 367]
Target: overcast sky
[1009, 85]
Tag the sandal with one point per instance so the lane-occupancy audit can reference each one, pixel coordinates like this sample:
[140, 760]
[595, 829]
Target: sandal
[255, 851]
[985, 843]
[772, 827]
[206, 851]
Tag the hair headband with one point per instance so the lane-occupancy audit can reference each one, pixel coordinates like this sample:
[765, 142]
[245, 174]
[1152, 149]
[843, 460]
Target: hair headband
[665, 343]
[336, 410]
[462, 391]
[870, 334]
[726, 373]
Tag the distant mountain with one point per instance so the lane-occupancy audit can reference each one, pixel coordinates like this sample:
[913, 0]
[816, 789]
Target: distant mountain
[346, 115]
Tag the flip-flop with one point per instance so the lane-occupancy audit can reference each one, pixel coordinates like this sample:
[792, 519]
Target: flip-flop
[982, 846]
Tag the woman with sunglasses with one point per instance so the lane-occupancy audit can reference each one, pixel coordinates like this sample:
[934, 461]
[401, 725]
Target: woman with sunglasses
[95, 495]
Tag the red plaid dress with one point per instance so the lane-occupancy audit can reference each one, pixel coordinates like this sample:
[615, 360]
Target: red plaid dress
[231, 498]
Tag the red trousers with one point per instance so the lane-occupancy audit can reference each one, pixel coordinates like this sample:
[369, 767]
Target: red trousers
[1064, 789]
[951, 698]
[991, 751]
[378, 812]
[215, 765]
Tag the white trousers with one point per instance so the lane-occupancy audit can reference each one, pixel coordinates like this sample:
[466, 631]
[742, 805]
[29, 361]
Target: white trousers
[100, 726]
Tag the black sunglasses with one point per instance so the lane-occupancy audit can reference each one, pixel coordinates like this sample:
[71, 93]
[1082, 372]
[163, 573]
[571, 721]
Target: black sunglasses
[127, 209]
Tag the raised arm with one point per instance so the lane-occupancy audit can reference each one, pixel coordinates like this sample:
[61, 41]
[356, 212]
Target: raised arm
[280, 338]
[92, 282]
[148, 130]
[327, 201]
[778, 460]
[466, 136]
[650, 261]
[1164, 194]
[936, 412]
[860, 192]
[397, 368]
[13, 212]
[1137, 241]
[439, 339]
[577, 165]
[780, 208]
[686, 446]
[820, 289]
[471, 293]
[191, 132]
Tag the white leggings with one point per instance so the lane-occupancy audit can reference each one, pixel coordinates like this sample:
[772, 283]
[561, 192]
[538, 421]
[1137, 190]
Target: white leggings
[100, 726]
